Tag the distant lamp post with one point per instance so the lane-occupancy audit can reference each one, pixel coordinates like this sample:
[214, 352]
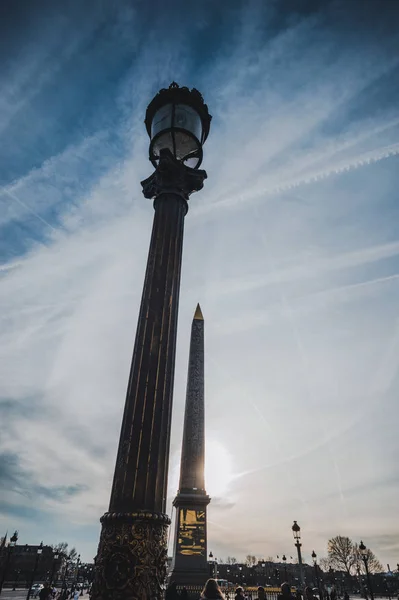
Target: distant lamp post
[55, 558]
[284, 559]
[38, 555]
[10, 548]
[17, 574]
[77, 571]
[316, 570]
[365, 556]
[67, 564]
[296, 530]
[213, 565]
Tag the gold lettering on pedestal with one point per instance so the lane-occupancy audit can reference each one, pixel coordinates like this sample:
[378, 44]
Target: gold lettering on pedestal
[191, 533]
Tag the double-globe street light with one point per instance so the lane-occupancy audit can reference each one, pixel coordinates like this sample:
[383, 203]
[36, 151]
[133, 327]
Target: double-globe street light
[132, 551]
[364, 553]
[10, 549]
[38, 555]
[296, 530]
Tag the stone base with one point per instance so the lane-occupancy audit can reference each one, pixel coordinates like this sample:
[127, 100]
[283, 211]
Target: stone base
[131, 557]
[187, 578]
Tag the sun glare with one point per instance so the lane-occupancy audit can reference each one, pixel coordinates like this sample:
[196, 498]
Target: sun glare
[218, 469]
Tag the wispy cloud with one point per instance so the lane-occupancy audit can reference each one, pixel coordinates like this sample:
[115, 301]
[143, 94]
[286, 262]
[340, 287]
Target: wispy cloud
[291, 248]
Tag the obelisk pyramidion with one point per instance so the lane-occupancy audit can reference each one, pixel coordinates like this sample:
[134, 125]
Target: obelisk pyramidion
[189, 566]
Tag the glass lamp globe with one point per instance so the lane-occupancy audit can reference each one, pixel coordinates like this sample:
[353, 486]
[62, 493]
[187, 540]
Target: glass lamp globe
[177, 120]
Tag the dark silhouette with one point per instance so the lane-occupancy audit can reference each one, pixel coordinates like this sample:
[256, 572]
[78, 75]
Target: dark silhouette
[184, 594]
[309, 595]
[171, 592]
[261, 593]
[239, 594]
[286, 592]
[46, 592]
[212, 591]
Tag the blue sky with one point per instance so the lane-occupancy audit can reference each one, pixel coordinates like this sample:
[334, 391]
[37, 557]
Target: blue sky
[291, 249]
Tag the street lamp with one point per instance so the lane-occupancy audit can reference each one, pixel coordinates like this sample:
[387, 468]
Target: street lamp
[284, 559]
[213, 563]
[296, 530]
[364, 553]
[77, 572]
[316, 570]
[11, 546]
[55, 558]
[38, 555]
[67, 564]
[177, 120]
[132, 550]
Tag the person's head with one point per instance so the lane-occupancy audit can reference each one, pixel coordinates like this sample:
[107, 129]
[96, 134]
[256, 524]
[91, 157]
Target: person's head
[285, 589]
[261, 593]
[308, 592]
[240, 591]
[212, 589]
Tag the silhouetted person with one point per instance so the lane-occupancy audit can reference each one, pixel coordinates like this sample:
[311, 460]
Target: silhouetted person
[239, 594]
[309, 595]
[212, 591]
[261, 593]
[184, 594]
[171, 592]
[45, 592]
[285, 592]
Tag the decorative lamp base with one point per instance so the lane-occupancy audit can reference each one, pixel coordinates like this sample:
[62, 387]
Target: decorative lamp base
[131, 558]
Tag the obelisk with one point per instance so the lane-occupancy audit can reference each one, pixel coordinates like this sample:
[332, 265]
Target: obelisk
[189, 565]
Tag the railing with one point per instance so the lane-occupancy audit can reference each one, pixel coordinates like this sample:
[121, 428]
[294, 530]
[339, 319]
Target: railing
[250, 592]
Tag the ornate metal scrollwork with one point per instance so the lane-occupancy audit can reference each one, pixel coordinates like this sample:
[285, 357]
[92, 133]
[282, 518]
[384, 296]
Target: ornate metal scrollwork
[131, 558]
[172, 176]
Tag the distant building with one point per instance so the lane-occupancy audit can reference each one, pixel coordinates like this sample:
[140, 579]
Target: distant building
[21, 563]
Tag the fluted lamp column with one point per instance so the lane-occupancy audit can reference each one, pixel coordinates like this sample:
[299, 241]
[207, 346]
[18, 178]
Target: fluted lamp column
[132, 551]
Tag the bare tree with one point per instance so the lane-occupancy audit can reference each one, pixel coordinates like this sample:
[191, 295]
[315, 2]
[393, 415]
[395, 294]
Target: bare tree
[72, 554]
[341, 553]
[373, 564]
[325, 564]
[61, 548]
[270, 559]
[233, 560]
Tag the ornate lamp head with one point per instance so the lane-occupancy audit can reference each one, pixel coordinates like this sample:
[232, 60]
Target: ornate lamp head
[363, 550]
[177, 119]
[14, 539]
[296, 530]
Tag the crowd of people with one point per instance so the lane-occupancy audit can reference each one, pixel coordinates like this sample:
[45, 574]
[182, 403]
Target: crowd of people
[212, 591]
[50, 593]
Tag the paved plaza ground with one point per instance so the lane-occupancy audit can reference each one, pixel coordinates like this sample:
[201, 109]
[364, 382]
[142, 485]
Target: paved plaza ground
[20, 594]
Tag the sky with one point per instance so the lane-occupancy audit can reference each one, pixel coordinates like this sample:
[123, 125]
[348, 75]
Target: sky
[291, 248]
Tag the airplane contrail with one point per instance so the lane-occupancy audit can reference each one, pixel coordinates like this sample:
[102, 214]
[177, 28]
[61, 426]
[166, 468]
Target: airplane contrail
[35, 214]
[359, 161]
